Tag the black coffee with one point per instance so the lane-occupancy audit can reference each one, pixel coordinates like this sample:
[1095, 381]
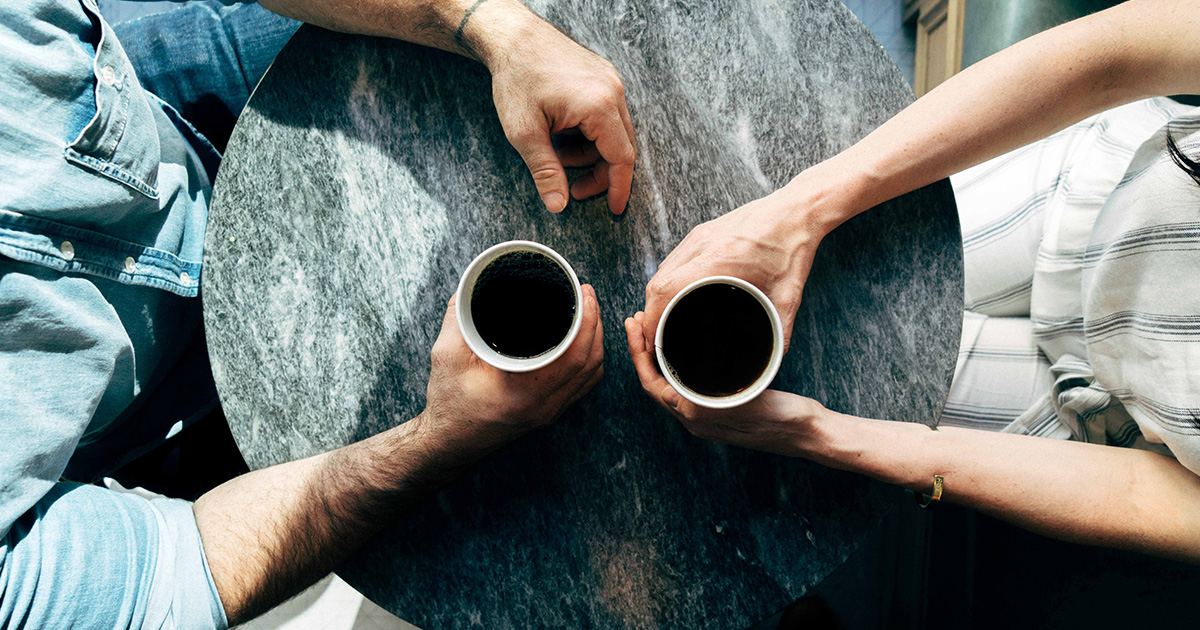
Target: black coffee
[717, 340]
[523, 304]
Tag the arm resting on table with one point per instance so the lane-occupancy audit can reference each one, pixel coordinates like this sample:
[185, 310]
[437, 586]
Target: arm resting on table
[1023, 93]
[1075, 491]
[1087, 493]
[542, 82]
[269, 533]
[433, 23]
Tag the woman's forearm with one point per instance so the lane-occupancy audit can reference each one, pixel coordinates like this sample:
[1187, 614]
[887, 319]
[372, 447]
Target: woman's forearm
[1101, 495]
[1021, 94]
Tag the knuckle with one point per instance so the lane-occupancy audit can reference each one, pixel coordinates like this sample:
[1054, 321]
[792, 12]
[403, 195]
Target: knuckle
[543, 173]
[726, 250]
[520, 134]
[439, 352]
[811, 408]
[618, 85]
[698, 234]
[658, 286]
[604, 95]
[579, 362]
[625, 154]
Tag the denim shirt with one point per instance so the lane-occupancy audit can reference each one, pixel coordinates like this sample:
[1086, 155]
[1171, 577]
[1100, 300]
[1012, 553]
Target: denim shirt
[104, 191]
[112, 185]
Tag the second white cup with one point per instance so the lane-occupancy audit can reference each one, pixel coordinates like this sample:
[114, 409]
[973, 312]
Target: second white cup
[725, 338]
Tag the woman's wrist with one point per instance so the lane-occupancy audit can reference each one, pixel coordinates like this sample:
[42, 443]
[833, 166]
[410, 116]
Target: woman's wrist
[897, 453]
[821, 198]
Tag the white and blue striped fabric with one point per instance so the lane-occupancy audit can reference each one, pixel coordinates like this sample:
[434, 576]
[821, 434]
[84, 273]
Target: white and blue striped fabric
[1082, 314]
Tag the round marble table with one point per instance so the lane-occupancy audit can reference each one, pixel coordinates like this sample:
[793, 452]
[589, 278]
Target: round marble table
[366, 173]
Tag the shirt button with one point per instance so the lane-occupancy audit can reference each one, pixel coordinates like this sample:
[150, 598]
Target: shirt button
[108, 76]
[67, 249]
[130, 265]
[184, 278]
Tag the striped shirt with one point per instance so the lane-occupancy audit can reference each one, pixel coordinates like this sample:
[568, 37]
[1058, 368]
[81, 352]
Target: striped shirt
[1083, 286]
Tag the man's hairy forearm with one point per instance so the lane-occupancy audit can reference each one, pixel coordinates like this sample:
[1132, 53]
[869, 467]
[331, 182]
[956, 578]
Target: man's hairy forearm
[270, 533]
[477, 29]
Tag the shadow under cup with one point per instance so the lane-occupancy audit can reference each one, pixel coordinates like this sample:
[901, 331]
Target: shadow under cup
[719, 342]
[519, 306]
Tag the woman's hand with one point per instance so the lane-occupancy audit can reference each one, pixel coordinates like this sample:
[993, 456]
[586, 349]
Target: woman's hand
[765, 242]
[776, 422]
[485, 403]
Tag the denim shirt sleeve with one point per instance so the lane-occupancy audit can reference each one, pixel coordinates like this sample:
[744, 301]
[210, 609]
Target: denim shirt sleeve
[81, 556]
[125, 561]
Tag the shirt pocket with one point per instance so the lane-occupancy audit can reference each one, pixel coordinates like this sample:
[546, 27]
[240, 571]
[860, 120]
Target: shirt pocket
[121, 140]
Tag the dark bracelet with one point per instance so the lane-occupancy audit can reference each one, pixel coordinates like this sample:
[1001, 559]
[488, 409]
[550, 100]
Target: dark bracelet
[458, 35]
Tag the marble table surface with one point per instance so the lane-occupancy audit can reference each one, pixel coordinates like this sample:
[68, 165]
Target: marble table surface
[366, 173]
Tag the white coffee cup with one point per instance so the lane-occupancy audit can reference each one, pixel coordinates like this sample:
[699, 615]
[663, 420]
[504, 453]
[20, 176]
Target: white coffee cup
[760, 384]
[466, 322]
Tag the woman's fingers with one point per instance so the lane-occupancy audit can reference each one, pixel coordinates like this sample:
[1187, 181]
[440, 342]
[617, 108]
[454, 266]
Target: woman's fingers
[654, 383]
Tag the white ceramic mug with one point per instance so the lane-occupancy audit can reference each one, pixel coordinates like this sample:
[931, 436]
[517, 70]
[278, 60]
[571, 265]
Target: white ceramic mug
[466, 323]
[760, 384]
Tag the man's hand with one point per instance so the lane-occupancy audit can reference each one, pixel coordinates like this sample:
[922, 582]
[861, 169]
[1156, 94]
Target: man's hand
[271, 532]
[775, 422]
[761, 242]
[482, 403]
[543, 84]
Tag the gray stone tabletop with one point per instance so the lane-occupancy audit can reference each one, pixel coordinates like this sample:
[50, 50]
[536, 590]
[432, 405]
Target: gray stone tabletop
[365, 175]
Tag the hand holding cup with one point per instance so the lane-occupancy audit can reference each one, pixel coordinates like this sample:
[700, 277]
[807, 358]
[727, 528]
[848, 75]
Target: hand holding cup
[499, 403]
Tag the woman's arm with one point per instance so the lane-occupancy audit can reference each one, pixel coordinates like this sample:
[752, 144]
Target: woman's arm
[1086, 493]
[1099, 495]
[1023, 93]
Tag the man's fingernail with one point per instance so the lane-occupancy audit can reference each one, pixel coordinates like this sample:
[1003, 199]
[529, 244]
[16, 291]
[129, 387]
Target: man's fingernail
[671, 397]
[555, 202]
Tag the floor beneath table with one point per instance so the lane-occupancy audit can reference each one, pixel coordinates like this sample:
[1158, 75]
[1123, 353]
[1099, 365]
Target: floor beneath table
[883, 19]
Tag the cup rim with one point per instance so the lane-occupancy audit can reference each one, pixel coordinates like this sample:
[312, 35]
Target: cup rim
[761, 383]
[463, 312]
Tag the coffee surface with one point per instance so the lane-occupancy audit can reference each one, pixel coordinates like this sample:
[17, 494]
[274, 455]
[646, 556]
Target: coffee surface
[717, 340]
[523, 304]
